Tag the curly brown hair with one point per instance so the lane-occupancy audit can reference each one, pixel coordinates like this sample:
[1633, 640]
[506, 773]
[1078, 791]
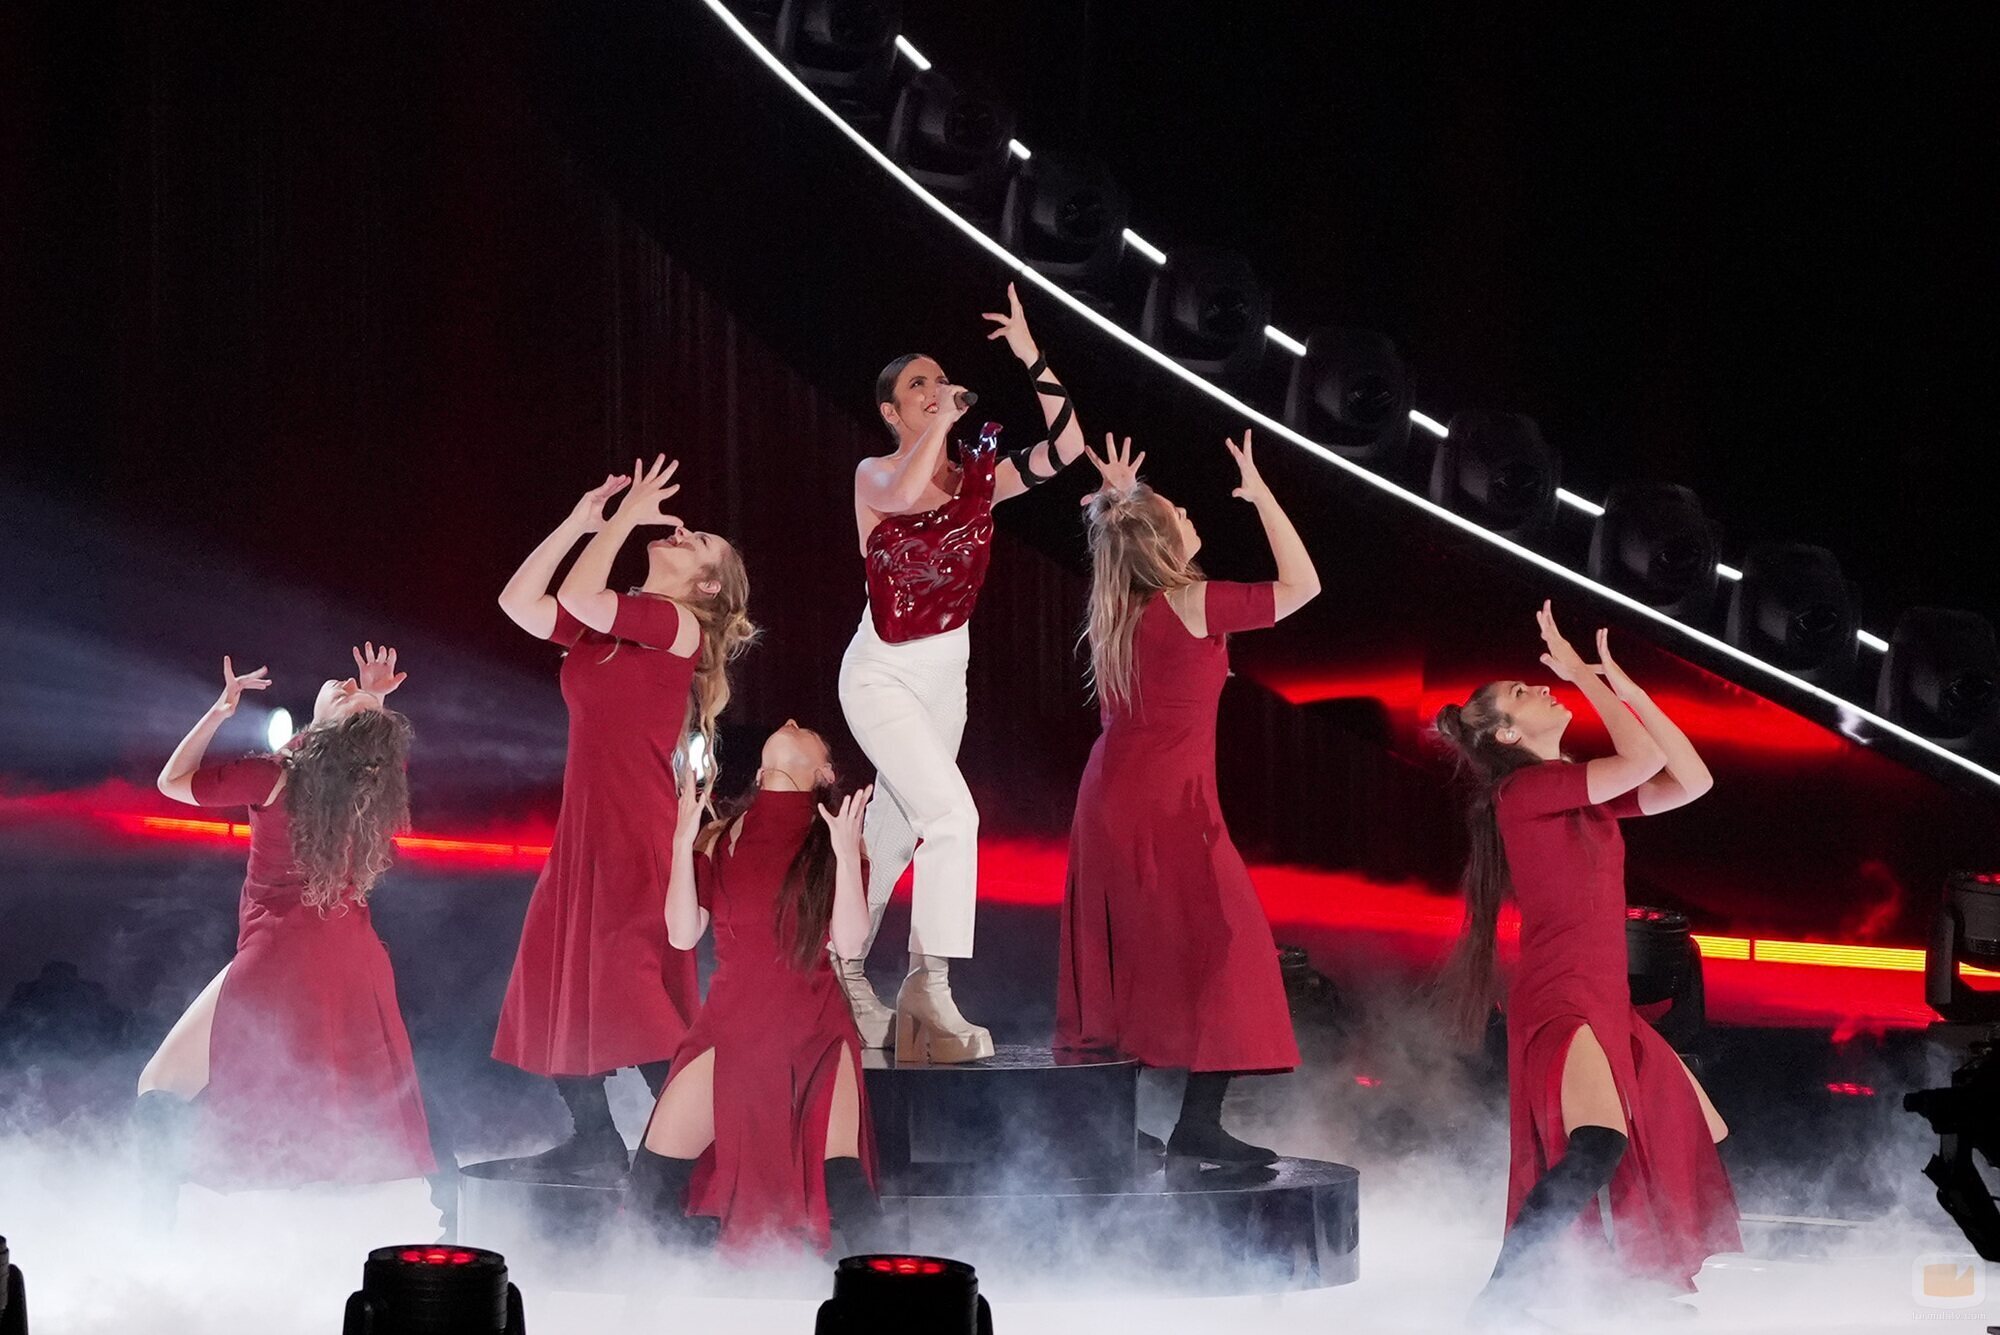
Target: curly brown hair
[348, 795]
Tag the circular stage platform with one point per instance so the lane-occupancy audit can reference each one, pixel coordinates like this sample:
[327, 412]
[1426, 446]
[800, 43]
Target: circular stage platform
[1025, 1165]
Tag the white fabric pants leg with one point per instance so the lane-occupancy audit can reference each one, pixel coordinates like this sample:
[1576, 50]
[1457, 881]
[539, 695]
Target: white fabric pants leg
[905, 705]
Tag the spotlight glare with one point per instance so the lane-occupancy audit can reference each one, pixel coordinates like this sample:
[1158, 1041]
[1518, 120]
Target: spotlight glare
[1144, 247]
[1875, 642]
[915, 56]
[1570, 498]
[1019, 149]
[1284, 340]
[1430, 424]
[1728, 572]
[279, 730]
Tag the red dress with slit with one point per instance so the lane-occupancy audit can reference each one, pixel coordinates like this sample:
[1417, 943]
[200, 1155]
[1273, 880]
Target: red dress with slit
[1671, 1203]
[310, 1077]
[1166, 955]
[595, 985]
[779, 1033]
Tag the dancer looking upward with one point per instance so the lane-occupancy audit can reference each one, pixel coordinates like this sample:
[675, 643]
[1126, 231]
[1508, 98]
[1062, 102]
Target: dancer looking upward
[1596, 1096]
[765, 1122]
[595, 985]
[926, 529]
[1166, 956]
[297, 1050]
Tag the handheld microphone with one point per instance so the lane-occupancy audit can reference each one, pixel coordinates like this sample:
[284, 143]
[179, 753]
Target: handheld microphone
[964, 398]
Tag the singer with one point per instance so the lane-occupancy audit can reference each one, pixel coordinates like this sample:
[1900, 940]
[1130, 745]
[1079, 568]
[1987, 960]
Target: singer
[925, 526]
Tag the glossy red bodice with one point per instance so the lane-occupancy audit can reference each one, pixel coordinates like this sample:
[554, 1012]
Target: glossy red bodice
[925, 569]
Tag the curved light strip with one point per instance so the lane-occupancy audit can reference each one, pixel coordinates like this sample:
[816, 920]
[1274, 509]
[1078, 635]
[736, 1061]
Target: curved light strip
[1271, 425]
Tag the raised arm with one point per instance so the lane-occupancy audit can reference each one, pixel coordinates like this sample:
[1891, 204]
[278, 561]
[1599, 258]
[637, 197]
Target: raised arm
[848, 925]
[1298, 578]
[895, 485]
[1685, 777]
[1638, 756]
[176, 777]
[1064, 444]
[584, 593]
[526, 600]
[686, 918]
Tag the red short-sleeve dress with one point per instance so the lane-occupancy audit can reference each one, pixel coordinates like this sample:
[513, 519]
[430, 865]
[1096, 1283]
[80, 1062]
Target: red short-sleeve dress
[1166, 955]
[779, 1032]
[595, 985]
[1671, 1203]
[310, 1077]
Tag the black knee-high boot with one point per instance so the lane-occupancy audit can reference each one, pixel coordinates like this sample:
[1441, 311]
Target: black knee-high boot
[1552, 1206]
[594, 1147]
[160, 1126]
[655, 1075]
[656, 1198]
[1199, 1133]
[855, 1208]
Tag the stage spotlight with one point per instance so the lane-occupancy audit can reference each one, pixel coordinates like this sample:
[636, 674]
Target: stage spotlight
[1206, 309]
[1966, 1118]
[1965, 931]
[952, 137]
[1066, 217]
[427, 1290]
[1496, 470]
[1941, 678]
[1664, 965]
[1793, 608]
[1351, 391]
[13, 1295]
[842, 49]
[278, 728]
[1653, 542]
[926, 1293]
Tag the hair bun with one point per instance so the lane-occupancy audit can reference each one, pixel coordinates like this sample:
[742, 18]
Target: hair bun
[1449, 722]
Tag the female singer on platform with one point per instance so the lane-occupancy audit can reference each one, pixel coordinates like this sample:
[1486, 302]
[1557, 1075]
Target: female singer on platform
[1166, 956]
[926, 528]
[765, 1122]
[595, 985]
[1597, 1096]
[297, 1052]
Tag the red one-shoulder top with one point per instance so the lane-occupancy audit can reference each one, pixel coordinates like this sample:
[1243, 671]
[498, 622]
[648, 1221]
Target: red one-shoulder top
[925, 569]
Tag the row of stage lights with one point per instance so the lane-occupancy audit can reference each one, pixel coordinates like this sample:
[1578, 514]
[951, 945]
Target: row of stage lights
[1787, 604]
[435, 1290]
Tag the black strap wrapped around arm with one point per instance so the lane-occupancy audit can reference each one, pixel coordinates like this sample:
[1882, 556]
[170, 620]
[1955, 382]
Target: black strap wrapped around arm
[1023, 458]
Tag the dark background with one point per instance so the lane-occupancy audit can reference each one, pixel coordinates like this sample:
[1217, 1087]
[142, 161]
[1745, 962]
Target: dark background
[316, 320]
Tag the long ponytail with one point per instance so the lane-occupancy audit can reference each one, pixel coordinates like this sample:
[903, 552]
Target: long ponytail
[726, 631]
[1467, 987]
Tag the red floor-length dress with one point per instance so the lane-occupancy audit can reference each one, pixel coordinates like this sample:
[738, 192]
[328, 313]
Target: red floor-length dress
[1671, 1203]
[779, 1033]
[310, 1077]
[1166, 955]
[595, 985]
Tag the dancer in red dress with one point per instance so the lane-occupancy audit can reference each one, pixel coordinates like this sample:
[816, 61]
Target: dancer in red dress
[926, 529]
[295, 1056]
[1166, 956]
[765, 1123]
[1596, 1096]
[595, 985]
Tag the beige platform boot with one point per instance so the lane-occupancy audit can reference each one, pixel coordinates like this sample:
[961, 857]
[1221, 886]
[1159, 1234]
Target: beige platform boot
[929, 1028]
[871, 1017]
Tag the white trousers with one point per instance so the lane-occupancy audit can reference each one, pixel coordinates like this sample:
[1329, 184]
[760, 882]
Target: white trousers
[905, 705]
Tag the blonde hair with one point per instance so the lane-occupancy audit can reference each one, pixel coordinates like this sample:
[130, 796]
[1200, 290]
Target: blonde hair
[726, 631]
[1135, 555]
[348, 797]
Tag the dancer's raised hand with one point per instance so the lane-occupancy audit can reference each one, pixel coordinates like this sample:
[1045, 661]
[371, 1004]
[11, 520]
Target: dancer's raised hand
[845, 824]
[1119, 469]
[692, 797]
[1561, 657]
[1607, 667]
[589, 511]
[1013, 326]
[651, 486]
[1250, 486]
[375, 670]
[234, 685]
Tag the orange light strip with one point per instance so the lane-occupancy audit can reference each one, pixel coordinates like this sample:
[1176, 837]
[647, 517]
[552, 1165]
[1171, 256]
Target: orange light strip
[1722, 947]
[418, 843]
